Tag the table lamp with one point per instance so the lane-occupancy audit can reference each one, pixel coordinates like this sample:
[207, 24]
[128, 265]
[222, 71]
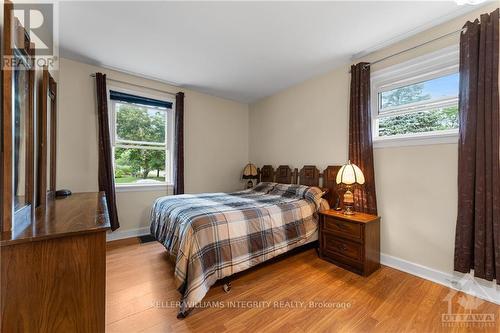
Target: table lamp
[250, 173]
[349, 175]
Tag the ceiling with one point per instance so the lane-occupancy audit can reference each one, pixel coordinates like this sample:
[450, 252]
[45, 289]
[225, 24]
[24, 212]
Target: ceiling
[237, 50]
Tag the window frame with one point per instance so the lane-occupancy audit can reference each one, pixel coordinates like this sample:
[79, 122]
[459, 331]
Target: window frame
[169, 137]
[423, 68]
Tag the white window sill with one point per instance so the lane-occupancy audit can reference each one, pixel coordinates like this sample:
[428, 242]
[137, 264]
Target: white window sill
[416, 140]
[168, 188]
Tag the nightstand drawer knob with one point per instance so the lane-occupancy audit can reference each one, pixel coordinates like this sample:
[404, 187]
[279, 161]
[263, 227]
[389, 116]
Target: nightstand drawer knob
[342, 247]
[341, 226]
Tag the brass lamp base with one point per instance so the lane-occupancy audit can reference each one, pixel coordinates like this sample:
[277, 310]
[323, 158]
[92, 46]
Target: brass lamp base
[348, 210]
[348, 202]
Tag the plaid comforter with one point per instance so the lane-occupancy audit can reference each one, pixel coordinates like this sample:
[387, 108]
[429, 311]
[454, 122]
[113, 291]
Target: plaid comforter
[215, 235]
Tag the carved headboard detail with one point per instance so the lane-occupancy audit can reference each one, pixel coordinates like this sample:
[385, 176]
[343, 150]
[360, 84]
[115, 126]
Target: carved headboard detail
[309, 175]
[284, 175]
[329, 175]
[267, 174]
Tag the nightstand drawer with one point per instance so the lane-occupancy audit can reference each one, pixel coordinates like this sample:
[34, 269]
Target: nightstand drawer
[343, 228]
[350, 241]
[342, 247]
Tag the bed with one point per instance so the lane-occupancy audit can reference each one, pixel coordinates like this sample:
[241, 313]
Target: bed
[212, 236]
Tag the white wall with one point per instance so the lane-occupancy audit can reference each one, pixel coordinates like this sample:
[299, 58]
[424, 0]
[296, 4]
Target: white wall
[305, 124]
[216, 141]
[416, 186]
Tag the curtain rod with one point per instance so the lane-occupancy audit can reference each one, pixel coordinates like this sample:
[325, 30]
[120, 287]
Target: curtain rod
[414, 47]
[138, 85]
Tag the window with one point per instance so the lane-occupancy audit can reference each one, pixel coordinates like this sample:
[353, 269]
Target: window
[417, 101]
[141, 138]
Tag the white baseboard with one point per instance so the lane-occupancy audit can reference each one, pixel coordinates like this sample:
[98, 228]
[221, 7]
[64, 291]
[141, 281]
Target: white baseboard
[466, 283]
[128, 233]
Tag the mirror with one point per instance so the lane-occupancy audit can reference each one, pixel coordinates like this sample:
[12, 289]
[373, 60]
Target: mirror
[21, 111]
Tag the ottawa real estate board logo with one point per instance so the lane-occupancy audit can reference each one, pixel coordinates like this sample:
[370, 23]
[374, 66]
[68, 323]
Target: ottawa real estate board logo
[35, 22]
[466, 311]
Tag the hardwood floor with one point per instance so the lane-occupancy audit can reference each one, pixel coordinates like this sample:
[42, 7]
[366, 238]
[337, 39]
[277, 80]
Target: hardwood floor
[140, 289]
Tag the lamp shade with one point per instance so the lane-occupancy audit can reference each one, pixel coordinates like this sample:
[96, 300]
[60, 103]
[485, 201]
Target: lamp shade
[350, 174]
[250, 171]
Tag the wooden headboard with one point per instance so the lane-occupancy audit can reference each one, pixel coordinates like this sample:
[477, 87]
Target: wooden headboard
[309, 175]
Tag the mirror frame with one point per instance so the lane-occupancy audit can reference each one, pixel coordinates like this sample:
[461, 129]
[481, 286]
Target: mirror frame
[15, 35]
[48, 90]
[53, 133]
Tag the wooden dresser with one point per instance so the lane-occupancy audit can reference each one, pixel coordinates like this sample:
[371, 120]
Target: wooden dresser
[53, 273]
[350, 241]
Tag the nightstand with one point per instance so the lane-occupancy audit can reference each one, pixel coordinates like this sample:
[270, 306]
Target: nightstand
[350, 241]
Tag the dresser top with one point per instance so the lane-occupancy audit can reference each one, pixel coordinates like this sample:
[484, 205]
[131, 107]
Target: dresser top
[79, 213]
[357, 217]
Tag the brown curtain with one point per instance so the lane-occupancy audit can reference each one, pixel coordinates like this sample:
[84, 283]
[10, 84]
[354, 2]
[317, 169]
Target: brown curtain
[477, 238]
[178, 167]
[360, 137]
[106, 175]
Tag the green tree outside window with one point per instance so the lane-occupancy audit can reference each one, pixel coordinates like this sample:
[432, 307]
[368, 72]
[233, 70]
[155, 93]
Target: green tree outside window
[418, 122]
[136, 123]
